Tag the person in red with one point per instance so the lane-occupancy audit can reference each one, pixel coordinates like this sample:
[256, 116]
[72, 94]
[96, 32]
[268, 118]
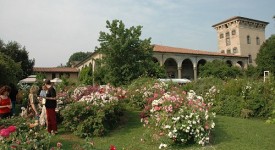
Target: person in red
[5, 102]
[50, 107]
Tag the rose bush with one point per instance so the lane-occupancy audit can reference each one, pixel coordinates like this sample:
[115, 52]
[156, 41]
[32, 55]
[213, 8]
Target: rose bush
[180, 116]
[96, 110]
[144, 88]
[16, 134]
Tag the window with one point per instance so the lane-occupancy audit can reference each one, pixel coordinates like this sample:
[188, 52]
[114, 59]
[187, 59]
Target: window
[53, 75]
[227, 34]
[258, 40]
[227, 41]
[248, 39]
[228, 51]
[233, 32]
[222, 51]
[221, 35]
[235, 50]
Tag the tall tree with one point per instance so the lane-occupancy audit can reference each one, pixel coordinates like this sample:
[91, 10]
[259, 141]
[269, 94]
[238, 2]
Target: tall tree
[19, 54]
[9, 70]
[77, 57]
[126, 56]
[266, 57]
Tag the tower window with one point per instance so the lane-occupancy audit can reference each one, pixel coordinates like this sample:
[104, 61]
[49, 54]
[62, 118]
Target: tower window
[222, 51]
[227, 34]
[233, 32]
[248, 39]
[228, 51]
[227, 40]
[235, 50]
[221, 35]
[258, 40]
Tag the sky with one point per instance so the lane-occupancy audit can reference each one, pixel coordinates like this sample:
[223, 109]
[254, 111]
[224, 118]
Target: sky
[53, 30]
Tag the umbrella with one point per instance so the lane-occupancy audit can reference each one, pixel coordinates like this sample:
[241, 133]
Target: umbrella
[29, 79]
[175, 80]
[56, 80]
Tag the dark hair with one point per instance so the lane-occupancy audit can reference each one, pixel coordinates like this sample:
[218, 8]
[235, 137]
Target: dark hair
[48, 82]
[4, 89]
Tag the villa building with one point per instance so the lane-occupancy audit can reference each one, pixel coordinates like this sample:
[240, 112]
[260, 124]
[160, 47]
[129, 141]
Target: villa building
[239, 41]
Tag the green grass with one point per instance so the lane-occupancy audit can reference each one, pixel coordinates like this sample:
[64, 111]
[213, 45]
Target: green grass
[229, 134]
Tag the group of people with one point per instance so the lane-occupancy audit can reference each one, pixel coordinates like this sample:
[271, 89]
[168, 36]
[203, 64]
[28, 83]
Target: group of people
[47, 97]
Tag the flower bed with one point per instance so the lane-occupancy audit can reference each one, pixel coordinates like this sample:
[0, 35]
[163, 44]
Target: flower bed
[16, 134]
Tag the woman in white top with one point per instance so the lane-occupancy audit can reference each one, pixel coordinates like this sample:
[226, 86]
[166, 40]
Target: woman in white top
[43, 115]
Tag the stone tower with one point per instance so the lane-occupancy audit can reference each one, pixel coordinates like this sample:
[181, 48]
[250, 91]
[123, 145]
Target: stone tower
[241, 36]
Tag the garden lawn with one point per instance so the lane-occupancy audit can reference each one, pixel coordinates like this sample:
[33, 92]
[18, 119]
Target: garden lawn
[229, 133]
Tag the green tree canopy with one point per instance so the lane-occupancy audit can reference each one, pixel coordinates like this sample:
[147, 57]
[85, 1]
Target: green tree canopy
[77, 57]
[125, 56]
[10, 70]
[86, 76]
[266, 57]
[19, 54]
[219, 69]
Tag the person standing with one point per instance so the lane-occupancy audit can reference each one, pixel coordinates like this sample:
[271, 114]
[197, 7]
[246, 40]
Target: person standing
[13, 94]
[33, 100]
[50, 107]
[5, 102]
[43, 115]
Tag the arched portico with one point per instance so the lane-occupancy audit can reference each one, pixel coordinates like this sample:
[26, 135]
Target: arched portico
[181, 65]
[187, 70]
[170, 65]
[201, 63]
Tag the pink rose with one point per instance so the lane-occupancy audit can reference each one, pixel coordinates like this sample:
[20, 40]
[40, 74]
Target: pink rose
[4, 133]
[12, 128]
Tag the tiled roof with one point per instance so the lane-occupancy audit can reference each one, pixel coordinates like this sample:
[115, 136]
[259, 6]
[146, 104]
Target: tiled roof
[168, 49]
[54, 69]
[239, 18]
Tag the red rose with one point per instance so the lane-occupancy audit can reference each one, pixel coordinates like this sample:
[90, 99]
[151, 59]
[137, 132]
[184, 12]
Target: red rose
[11, 128]
[4, 133]
[112, 147]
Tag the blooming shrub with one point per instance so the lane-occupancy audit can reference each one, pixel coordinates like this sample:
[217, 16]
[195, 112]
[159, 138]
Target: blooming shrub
[96, 110]
[142, 89]
[16, 134]
[181, 117]
[247, 98]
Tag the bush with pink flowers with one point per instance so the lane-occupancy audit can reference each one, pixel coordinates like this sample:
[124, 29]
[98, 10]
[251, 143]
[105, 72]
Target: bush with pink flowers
[142, 90]
[96, 110]
[179, 116]
[16, 134]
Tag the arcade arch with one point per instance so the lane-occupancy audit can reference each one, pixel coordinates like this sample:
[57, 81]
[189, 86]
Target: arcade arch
[170, 66]
[201, 62]
[187, 70]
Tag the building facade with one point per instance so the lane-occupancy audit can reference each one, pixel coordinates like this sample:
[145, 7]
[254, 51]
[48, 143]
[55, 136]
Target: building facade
[239, 41]
[241, 36]
[57, 72]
